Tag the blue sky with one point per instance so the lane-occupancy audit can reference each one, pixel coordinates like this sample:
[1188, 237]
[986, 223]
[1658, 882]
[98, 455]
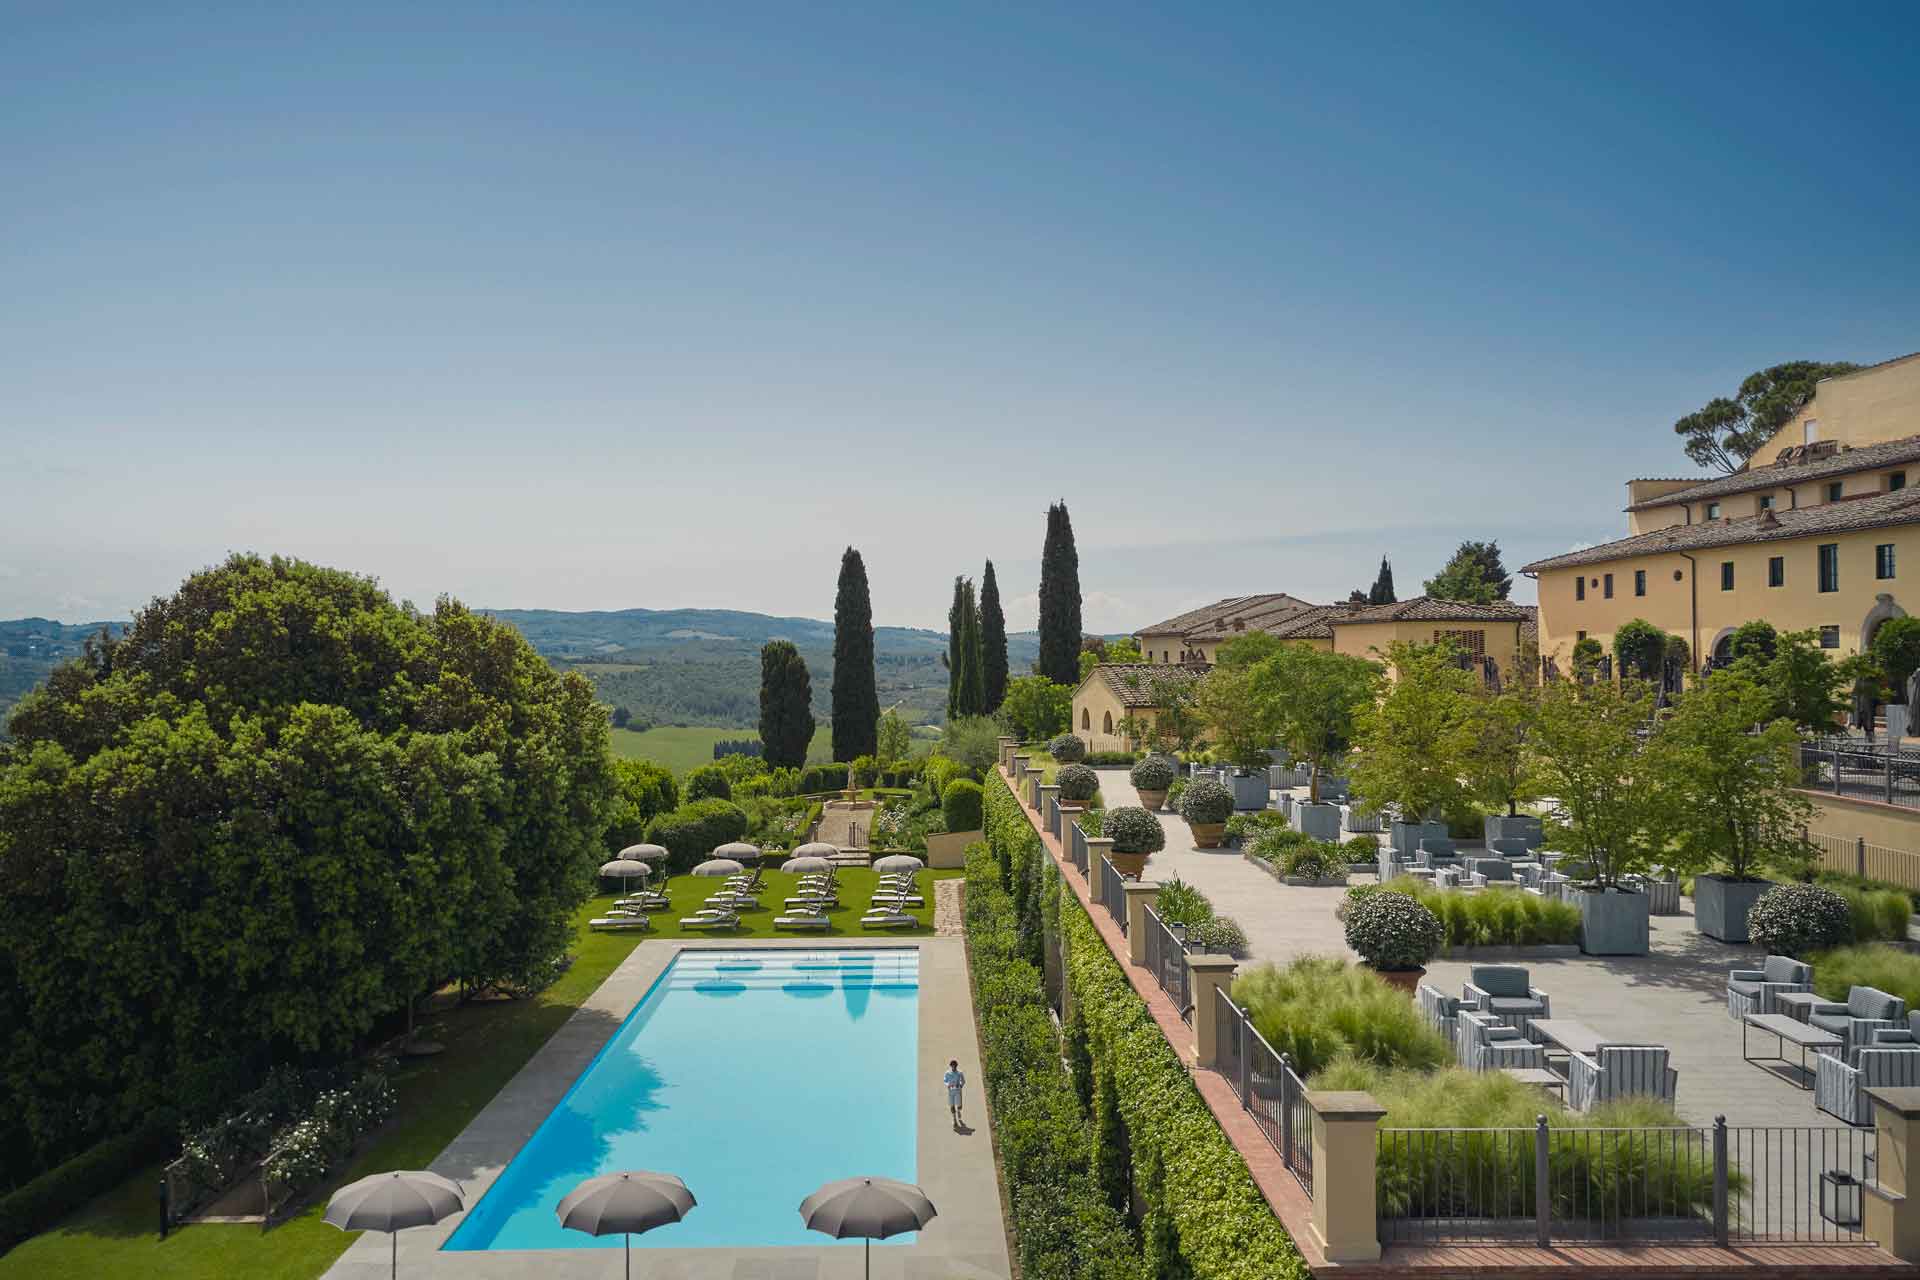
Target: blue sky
[598, 306]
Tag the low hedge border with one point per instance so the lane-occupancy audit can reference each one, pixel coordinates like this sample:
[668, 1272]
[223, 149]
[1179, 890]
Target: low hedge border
[1224, 1227]
[62, 1189]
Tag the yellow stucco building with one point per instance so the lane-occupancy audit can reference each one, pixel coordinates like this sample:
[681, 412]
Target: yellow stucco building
[1814, 533]
[1196, 635]
[1115, 691]
[1498, 638]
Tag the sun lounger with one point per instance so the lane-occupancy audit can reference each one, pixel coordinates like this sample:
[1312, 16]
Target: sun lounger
[899, 900]
[823, 901]
[888, 920]
[711, 920]
[620, 924]
[802, 920]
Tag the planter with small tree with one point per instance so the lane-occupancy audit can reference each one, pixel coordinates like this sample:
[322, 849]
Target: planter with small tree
[1136, 836]
[1395, 935]
[1151, 778]
[1206, 805]
[1078, 783]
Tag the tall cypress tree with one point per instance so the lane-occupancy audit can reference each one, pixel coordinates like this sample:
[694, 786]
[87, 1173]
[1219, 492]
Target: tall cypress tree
[993, 645]
[856, 700]
[1059, 600]
[786, 705]
[1382, 592]
[956, 631]
[968, 686]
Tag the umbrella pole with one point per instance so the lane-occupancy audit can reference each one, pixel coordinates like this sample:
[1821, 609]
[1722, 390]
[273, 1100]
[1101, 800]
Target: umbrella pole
[393, 1253]
[628, 1237]
[867, 1241]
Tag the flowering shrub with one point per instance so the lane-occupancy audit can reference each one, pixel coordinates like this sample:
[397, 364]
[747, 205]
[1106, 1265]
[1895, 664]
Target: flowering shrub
[1392, 931]
[1077, 783]
[1206, 801]
[305, 1150]
[1133, 830]
[1221, 933]
[1067, 749]
[1155, 773]
[1799, 919]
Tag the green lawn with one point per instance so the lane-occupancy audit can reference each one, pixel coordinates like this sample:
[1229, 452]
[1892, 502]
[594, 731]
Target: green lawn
[438, 1096]
[684, 749]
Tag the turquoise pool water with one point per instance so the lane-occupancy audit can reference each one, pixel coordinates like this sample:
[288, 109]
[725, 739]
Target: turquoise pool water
[755, 1075]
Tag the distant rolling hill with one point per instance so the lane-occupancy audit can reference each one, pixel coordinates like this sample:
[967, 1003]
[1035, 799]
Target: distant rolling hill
[31, 647]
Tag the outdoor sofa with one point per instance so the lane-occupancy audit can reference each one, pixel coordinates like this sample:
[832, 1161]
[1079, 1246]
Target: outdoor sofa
[1616, 1071]
[1840, 1084]
[1484, 1044]
[1866, 1011]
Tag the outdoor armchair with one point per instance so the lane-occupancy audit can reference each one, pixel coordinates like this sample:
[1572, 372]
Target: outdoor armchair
[1617, 1071]
[1483, 1044]
[1506, 993]
[1840, 1084]
[1438, 1009]
[1867, 1010]
[1753, 990]
[1482, 872]
[1435, 851]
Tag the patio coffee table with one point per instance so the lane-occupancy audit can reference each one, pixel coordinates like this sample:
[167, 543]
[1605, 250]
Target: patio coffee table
[1540, 1076]
[1789, 1032]
[1564, 1034]
[1797, 1004]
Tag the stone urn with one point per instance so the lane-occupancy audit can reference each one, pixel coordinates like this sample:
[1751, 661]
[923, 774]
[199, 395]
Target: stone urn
[1131, 865]
[1407, 980]
[1153, 799]
[1208, 835]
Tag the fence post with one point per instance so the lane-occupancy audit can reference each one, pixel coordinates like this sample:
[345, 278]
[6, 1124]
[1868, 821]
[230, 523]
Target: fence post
[1720, 1181]
[1542, 1184]
[1346, 1153]
[1889, 773]
[1860, 856]
[1140, 896]
[1246, 1061]
[1286, 1111]
[1207, 974]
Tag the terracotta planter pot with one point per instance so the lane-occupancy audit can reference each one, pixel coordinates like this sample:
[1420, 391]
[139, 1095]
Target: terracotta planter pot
[1151, 800]
[1129, 864]
[1406, 980]
[1208, 835]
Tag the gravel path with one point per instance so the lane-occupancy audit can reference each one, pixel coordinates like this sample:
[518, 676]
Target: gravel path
[949, 911]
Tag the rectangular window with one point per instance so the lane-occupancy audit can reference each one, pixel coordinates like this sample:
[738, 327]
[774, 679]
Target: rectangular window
[1580, 587]
[1829, 566]
[1883, 560]
[1766, 502]
[1606, 585]
[1713, 511]
[1896, 480]
[1639, 582]
[1578, 636]
[1776, 571]
[1472, 643]
[1833, 491]
[1829, 637]
[1810, 431]
[1726, 575]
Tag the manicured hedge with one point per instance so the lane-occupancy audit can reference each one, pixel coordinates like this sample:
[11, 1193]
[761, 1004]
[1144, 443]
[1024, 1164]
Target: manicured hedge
[692, 832]
[960, 804]
[1224, 1229]
[62, 1189]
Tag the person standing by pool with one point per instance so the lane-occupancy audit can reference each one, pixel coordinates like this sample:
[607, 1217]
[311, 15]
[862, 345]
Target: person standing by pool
[955, 1081]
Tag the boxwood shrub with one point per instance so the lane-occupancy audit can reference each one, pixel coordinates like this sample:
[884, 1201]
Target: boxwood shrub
[690, 833]
[960, 803]
[1799, 919]
[1392, 932]
[708, 782]
[1205, 800]
[1133, 830]
[1155, 773]
[1077, 783]
[65, 1187]
[1067, 749]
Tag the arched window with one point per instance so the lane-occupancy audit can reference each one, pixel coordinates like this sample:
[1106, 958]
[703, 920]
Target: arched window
[1107, 726]
[1086, 718]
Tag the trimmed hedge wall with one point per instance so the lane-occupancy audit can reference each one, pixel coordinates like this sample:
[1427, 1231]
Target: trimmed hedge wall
[62, 1189]
[1223, 1226]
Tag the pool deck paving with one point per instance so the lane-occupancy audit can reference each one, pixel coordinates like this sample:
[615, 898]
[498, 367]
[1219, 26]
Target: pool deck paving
[966, 1241]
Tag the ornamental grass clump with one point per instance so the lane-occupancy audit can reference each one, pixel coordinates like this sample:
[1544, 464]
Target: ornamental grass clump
[1493, 918]
[1800, 919]
[1206, 801]
[1077, 783]
[1247, 826]
[1067, 749]
[1882, 967]
[1133, 830]
[1392, 932]
[1155, 773]
[1879, 915]
[1320, 1007]
[1181, 903]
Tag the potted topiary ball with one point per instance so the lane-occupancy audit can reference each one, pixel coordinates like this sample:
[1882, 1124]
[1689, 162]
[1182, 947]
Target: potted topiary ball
[1206, 805]
[1151, 778]
[1136, 836]
[1077, 783]
[1395, 935]
[1067, 749]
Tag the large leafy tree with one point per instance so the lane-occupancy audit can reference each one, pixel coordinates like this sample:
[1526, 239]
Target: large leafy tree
[1639, 647]
[642, 790]
[993, 643]
[856, 697]
[1059, 600]
[1238, 721]
[1313, 697]
[1724, 432]
[1608, 807]
[1501, 771]
[786, 705]
[1411, 745]
[1474, 575]
[1807, 686]
[1732, 788]
[1036, 708]
[268, 817]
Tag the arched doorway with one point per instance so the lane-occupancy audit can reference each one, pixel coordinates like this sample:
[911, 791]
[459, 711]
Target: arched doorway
[1884, 607]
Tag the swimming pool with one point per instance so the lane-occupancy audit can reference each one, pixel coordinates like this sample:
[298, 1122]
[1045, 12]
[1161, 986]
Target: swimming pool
[755, 1075]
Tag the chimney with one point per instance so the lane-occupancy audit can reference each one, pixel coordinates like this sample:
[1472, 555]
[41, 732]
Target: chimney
[1768, 520]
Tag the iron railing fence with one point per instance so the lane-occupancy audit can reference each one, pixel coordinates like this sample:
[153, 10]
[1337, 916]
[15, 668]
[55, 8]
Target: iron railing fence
[1267, 1086]
[1113, 893]
[1671, 1185]
[1053, 816]
[1167, 962]
[1862, 770]
[1855, 856]
[1077, 847]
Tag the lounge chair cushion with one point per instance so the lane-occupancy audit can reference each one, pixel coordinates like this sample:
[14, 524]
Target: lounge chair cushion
[1514, 1004]
[1868, 1002]
[1745, 986]
[1785, 969]
[1509, 980]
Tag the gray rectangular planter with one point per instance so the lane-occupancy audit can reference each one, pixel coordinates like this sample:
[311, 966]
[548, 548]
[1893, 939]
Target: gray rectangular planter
[1321, 821]
[1613, 923]
[1406, 836]
[1520, 827]
[1720, 906]
[1249, 790]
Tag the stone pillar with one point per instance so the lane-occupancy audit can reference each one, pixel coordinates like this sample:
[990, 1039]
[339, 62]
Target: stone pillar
[1020, 775]
[1069, 814]
[1098, 847]
[1141, 894]
[1206, 974]
[1345, 1131]
[1007, 747]
[1890, 1207]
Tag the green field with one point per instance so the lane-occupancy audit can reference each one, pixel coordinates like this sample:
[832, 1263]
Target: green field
[684, 749]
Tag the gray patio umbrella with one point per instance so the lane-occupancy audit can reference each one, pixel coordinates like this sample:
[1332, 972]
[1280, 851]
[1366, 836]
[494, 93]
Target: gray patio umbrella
[872, 1208]
[645, 853]
[718, 867]
[739, 851]
[807, 865]
[899, 862]
[625, 1204]
[392, 1202]
[627, 869]
[817, 849]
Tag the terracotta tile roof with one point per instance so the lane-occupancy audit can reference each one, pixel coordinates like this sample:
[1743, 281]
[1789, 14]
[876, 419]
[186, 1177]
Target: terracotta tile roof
[1219, 616]
[1875, 510]
[1133, 682]
[1775, 475]
[1427, 609]
[1309, 624]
